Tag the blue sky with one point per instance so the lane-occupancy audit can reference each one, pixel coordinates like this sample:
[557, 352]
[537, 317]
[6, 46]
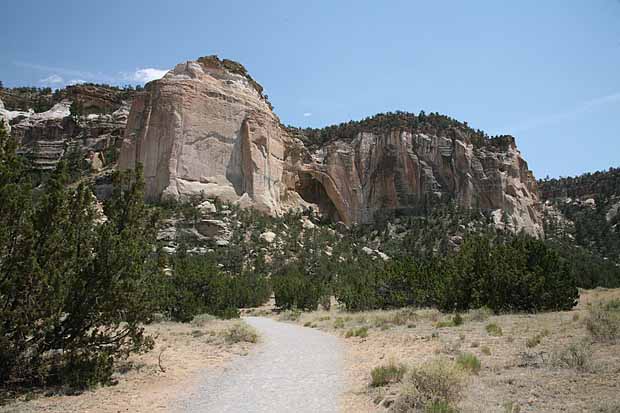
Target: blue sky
[547, 72]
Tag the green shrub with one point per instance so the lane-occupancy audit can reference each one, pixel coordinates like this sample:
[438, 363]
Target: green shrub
[339, 322]
[74, 290]
[295, 288]
[469, 362]
[494, 330]
[390, 373]
[357, 332]
[197, 285]
[457, 320]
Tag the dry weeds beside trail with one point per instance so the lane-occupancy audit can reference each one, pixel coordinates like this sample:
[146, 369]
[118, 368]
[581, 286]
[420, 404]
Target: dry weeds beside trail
[528, 363]
[184, 350]
[294, 369]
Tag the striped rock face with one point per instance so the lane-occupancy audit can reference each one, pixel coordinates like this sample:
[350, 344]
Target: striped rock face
[395, 170]
[206, 127]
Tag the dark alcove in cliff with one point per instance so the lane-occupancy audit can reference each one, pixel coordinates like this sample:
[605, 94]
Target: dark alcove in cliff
[311, 190]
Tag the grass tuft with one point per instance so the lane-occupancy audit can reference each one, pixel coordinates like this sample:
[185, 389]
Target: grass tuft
[494, 330]
[384, 375]
[357, 332]
[469, 363]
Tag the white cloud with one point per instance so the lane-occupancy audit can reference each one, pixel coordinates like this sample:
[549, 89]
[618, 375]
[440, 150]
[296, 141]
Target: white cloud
[52, 80]
[307, 114]
[78, 76]
[146, 75]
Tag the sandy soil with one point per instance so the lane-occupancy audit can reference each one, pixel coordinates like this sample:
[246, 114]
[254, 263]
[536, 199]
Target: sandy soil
[186, 350]
[512, 373]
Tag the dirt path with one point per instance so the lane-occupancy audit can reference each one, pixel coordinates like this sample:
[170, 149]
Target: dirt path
[294, 369]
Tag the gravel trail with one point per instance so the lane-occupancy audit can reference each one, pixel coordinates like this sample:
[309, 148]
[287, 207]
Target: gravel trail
[294, 369]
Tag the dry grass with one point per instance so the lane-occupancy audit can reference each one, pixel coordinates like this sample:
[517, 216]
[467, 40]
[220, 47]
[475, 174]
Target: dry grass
[150, 382]
[468, 362]
[577, 355]
[603, 321]
[240, 332]
[361, 332]
[436, 383]
[513, 376]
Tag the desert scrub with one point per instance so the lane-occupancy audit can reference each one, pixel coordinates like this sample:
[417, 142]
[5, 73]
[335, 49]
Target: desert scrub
[480, 314]
[535, 340]
[201, 320]
[457, 320]
[603, 321]
[511, 407]
[468, 362]
[438, 382]
[240, 332]
[577, 355]
[389, 373]
[339, 322]
[494, 330]
[485, 350]
[357, 332]
[404, 316]
[444, 323]
[289, 315]
[439, 407]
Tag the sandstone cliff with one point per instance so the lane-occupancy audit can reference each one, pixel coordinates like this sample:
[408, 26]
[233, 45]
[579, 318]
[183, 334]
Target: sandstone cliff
[399, 169]
[45, 137]
[206, 127]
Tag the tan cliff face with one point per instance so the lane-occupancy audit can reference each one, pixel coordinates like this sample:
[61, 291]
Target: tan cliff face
[374, 173]
[203, 128]
[206, 127]
[47, 136]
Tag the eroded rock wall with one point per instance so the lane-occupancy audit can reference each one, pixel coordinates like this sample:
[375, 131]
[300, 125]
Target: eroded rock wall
[206, 127]
[203, 128]
[396, 169]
